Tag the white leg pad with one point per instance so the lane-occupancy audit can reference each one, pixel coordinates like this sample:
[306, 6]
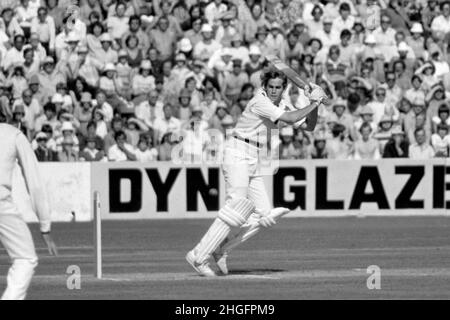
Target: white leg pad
[233, 214]
[250, 230]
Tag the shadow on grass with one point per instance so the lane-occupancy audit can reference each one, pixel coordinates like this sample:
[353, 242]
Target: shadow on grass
[254, 271]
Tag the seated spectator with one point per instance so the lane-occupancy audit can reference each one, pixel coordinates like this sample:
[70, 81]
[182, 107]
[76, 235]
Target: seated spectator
[168, 141]
[17, 80]
[339, 146]
[166, 124]
[215, 122]
[420, 122]
[91, 153]
[121, 151]
[98, 116]
[134, 129]
[397, 146]
[91, 130]
[421, 149]
[108, 84]
[183, 109]
[31, 107]
[319, 148]
[51, 143]
[366, 147]
[18, 121]
[443, 117]
[163, 38]
[43, 153]
[434, 99]
[83, 112]
[101, 103]
[124, 76]
[440, 141]
[384, 132]
[287, 147]
[366, 114]
[143, 82]
[67, 131]
[67, 153]
[145, 151]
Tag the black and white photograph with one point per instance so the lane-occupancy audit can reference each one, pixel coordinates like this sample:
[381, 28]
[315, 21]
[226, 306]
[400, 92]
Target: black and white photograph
[224, 156]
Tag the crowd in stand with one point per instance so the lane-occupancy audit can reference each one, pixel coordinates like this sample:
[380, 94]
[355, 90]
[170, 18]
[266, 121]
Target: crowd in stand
[114, 80]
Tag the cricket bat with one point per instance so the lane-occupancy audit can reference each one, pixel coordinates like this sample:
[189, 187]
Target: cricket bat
[287, 71]
[291, 74]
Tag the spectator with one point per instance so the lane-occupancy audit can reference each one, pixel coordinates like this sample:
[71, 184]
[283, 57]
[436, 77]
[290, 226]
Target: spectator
[135, 29]
[31, 63]
[98, 116]
[121, 151]
[49, 77]
[48, 117]
[91, 152]
[143, 82]
[367, 147]
[118, 24]
[134, 129]
[149, 110]
[101, 103]
[233, 83]
[287, 147]
[397, 146]
[163, 38]
[124, 75]
[14, 56]
[43, 153]
[319, 149]
[68, 153]
[434, 99]
[301, 143]
[339, 147]
[44, 26]
[205, 48]
[443, 117]
[421, 149]
[145, 151]
[384, 132]
[67, 131]
[83, 112]
[440, 141]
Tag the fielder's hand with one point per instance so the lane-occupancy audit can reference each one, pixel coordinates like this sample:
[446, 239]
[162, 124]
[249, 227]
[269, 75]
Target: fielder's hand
[52, 250]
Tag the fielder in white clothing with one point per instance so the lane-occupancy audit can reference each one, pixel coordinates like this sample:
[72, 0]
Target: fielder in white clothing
[14, 233]
[247, 207]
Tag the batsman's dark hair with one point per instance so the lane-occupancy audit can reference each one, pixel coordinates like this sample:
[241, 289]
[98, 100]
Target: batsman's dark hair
[270, 74]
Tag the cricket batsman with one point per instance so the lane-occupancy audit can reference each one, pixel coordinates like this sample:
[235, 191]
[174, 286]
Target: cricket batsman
[14, 233]
[247, 209]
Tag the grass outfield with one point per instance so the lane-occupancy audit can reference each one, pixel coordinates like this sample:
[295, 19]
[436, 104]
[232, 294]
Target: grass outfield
[315, 258]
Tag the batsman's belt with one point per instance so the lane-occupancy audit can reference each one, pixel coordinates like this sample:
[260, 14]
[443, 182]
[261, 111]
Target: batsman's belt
[253, 143]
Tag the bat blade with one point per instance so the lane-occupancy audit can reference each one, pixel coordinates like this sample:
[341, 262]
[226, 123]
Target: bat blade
[287, 71]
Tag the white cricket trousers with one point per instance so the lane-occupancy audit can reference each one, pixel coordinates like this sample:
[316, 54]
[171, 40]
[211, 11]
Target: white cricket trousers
[243, 177]
[16, 238]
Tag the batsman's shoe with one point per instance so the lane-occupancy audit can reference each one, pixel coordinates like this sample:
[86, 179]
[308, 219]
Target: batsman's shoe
[221, 261]
[202, 269]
